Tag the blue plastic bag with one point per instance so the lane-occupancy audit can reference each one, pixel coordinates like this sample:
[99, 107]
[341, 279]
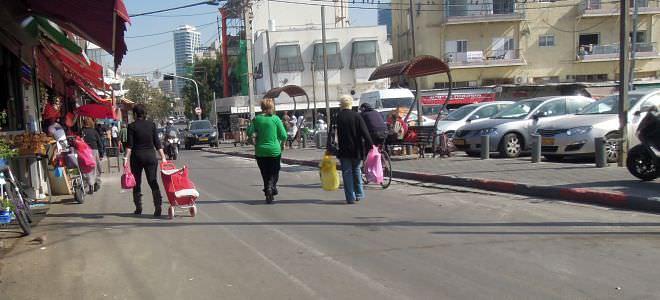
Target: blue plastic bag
[59, 172]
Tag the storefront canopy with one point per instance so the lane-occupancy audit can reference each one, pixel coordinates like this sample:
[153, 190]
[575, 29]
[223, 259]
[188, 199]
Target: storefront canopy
[37, 26]
[80, 66]
[102, 22]
[96, 111]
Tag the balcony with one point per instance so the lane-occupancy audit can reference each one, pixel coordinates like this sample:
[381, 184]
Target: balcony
[464, 11]
[604, 8]
[484, 59]
[611, 52]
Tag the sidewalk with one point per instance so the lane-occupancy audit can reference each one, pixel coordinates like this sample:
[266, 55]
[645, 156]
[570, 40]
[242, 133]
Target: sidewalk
[573, 181]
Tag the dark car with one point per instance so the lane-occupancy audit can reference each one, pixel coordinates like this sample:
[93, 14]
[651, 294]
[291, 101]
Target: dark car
[201, 133]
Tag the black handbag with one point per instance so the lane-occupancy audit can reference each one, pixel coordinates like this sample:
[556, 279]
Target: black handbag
[332, 146]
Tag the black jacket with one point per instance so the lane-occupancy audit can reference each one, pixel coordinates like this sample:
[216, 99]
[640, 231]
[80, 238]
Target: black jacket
[92, 138]
[352, 135]
[374, 120]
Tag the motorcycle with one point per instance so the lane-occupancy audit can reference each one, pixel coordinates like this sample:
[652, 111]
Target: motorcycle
[171, 145]
[643, 160]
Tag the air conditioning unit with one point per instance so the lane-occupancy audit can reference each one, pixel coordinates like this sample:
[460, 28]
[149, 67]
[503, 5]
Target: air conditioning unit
[521, 80]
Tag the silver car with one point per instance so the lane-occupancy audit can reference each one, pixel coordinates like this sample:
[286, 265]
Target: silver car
[472, 113]
[511, 129]
[574, 135]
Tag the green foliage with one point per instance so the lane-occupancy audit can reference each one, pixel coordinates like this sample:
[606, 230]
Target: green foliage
[158, 106]
[4, 203]
[207, 73]
[6, 150]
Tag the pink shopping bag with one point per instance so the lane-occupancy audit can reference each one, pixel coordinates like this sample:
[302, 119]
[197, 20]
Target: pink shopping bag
[373, 166]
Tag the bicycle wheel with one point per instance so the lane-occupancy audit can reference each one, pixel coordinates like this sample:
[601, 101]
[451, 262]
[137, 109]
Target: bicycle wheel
[21, 217]
[387, 169]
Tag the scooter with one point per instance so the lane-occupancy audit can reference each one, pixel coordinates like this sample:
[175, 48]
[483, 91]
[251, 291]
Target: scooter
[171, 145]
[644, 159]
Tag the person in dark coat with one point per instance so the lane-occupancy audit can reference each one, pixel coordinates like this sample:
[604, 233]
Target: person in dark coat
[143, 142]
[375, 123]
[352, 137]
[93, 140]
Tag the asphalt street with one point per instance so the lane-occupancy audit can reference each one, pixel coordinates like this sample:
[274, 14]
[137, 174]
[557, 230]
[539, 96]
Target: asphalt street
[406, 242]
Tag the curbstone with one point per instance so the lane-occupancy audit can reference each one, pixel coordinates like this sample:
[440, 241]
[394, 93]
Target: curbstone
[578, 195]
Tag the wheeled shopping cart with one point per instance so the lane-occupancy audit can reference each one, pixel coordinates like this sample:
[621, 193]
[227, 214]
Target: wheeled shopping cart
[181, 192]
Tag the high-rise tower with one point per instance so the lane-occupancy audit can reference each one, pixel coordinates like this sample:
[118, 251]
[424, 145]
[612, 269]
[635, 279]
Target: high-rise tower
[186, 44]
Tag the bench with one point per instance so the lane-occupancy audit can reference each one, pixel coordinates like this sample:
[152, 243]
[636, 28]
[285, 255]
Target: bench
[423, 140]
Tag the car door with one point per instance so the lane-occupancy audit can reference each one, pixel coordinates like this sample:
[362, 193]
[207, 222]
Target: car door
[636, 115]
[483, 113]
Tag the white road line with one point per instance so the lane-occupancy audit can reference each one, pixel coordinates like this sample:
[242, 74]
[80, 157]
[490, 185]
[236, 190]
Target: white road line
[288, 275]
[357, 274]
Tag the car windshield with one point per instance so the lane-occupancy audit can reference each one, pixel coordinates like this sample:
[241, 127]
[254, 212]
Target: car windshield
[518, 110]
[200, 125]
[607, 105]
[460, 113]
[396, 102]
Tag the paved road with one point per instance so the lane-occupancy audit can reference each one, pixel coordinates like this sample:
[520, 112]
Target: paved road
[407, 242]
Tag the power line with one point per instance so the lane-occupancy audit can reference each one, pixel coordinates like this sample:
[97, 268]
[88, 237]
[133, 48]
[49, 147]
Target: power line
[164, 32]
[210, 2]
[176, 16]
[152, 45]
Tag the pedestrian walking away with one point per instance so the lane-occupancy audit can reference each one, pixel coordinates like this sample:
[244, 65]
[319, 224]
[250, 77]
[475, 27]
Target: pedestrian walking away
[269, 134]
[375, 123]
[352, 138]
[123, 137]
[141, 147]
[292, 129]
[93, 140]
[114, 133]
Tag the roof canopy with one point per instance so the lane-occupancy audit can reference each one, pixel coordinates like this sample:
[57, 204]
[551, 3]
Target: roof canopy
[291, 90]
[419, 66]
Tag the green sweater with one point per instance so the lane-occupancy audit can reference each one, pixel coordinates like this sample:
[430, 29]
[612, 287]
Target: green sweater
[270, 135]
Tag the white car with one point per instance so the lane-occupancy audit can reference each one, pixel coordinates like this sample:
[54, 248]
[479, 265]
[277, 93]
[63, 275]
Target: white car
[472, 113]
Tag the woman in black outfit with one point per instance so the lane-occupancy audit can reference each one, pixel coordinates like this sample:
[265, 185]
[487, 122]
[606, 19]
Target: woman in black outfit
[141, 155]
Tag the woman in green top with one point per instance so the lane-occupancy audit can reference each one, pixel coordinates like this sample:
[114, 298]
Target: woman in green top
[270, 134]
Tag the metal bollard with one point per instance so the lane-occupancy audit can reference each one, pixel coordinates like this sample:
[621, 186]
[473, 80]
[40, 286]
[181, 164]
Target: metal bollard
[601, 156]
[485, 147]
[536, 148]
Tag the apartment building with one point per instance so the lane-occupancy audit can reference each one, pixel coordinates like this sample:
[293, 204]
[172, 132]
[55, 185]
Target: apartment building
[509, 42]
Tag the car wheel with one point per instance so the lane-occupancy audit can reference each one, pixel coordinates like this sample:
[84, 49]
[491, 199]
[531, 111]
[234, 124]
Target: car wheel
[188, 147]
[553, 158]
[510, 146]
[612, 147]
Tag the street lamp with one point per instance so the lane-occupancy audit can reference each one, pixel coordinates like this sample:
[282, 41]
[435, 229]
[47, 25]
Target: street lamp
[172, 76]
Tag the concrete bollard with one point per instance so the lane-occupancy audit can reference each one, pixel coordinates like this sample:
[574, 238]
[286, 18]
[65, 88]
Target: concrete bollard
[536, 148]
[485, 147]
[601, 156]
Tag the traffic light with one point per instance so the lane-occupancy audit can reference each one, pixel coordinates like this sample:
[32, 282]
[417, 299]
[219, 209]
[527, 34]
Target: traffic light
[168, 77]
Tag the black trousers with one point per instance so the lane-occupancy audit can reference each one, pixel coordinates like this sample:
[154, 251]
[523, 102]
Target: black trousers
[145, 160]
[270, 172]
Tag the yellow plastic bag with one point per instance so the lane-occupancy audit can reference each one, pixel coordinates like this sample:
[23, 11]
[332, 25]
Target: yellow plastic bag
[328, 172]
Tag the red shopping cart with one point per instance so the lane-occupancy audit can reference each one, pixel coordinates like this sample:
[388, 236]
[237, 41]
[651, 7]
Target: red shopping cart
[181, 192]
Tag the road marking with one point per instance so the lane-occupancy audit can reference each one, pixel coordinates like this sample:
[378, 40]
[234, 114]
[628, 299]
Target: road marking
[352, 271]
[277, 267]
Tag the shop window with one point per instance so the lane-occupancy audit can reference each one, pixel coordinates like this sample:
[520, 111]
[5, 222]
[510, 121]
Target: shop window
[288, 59]
[496, 81]
[332, 52]
[11, 92]
[588, 78]
[364, 55]
[589, 39]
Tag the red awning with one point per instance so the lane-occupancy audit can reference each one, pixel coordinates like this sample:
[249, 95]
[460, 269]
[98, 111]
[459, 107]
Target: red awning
[49, 74]
[96, 111]
[90, 92]
[458, 99]
[92, 20]
[77, 64]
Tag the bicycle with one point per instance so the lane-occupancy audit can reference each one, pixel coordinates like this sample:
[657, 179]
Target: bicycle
[387, 167]
[10, 189]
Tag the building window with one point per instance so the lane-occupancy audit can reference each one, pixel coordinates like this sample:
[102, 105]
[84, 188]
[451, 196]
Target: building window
[333, 53]
[589, 39]
[546, 79]
[547, 41]
[641, 37]
[457, 84]
[288, 59]
[364, 55]
[496, 81]
[588, 78]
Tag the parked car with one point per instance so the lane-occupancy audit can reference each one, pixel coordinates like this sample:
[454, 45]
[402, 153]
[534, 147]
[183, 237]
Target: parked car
[574, 135]
[200, 132]
[510, 130]
[472, 113]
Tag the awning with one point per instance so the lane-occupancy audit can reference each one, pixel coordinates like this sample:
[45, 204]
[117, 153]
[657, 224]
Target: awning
[79, 66]
[49, 74]
[419, 66]
[35, 25]
[90, 92]
[96, 111]
[102, 22]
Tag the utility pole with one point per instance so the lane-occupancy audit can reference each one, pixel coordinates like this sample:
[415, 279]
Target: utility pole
[313, 93]
[624, 64]
[325, 67]
[633, 41]
[411, 12]
[247, 17]
[217, 128]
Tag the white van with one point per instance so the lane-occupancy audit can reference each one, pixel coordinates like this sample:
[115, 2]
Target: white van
[389, 99]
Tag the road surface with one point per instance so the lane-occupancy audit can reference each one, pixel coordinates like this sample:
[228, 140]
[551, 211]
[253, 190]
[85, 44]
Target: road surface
[406, 242]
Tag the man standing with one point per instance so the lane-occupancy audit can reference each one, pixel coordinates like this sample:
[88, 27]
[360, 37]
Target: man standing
[123, 136]
[114, 133]
[352, 137]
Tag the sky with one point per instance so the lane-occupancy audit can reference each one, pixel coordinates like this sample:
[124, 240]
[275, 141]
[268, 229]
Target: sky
[147, 54]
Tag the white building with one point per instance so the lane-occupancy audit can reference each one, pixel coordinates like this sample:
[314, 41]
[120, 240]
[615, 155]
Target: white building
[186, 44]
[269, 15]
[167, 88]
[297, 59]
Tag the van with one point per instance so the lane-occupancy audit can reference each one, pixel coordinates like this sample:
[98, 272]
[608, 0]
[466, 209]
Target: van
[389, 99]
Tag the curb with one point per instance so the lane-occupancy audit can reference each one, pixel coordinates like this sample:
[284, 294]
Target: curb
[577, 195]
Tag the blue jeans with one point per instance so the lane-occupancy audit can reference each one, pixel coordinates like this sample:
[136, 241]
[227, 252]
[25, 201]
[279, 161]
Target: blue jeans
[352, 175]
